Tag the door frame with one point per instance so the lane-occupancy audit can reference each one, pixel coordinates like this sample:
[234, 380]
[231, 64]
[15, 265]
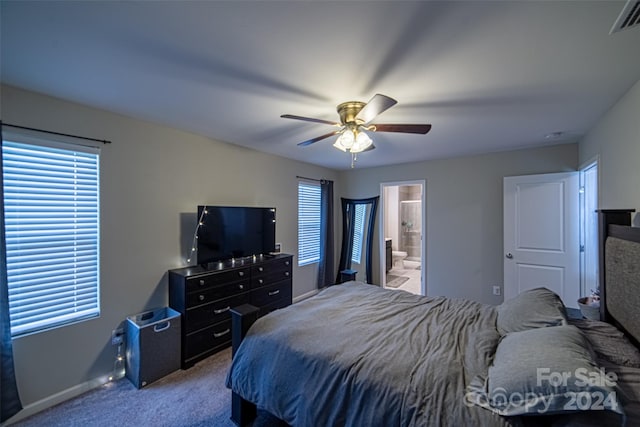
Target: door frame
[423, 240]
[584, 167]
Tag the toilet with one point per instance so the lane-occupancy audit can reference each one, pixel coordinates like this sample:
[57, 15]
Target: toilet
[398, 256]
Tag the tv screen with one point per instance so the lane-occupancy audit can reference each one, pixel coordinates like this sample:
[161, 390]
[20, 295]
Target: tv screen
[229, 232]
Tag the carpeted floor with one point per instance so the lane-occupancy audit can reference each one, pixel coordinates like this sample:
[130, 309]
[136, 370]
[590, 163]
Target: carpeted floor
[194, 397]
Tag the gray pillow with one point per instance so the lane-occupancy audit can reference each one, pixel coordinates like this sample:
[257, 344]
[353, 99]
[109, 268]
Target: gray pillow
[545, 371]
[535, 308]
[609, 342]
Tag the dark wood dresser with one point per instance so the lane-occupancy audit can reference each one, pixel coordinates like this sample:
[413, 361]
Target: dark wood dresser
[204, 296]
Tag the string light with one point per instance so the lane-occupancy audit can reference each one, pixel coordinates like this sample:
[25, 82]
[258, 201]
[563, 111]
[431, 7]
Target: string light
[205, 211]
[118, 365]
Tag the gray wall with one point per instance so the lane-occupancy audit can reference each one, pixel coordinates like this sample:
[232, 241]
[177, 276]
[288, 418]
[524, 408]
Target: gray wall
[615, 139]
[464, 213]
[152, 179]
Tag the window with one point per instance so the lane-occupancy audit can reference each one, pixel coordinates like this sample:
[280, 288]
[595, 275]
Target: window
[358, 233]
[308, 223]
[51, 197]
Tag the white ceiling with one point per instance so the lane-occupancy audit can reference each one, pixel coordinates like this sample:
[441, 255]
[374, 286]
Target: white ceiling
[488, 76]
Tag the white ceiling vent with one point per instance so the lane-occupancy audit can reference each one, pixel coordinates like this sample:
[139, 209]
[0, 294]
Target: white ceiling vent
[629, 17]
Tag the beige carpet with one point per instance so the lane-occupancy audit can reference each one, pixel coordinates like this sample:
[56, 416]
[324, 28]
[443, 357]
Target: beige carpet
[194, 397]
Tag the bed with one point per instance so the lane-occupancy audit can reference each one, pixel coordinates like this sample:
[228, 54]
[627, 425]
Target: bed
[357, 355]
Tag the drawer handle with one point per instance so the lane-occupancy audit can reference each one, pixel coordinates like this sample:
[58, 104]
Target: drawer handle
[286, 274]
[201, 282]
[240, 273]
[260, 269]
[221, 310]
[260, 281]
[241, 287]
[221, 334]
[201, 297]
[286, 263]
[272, 293]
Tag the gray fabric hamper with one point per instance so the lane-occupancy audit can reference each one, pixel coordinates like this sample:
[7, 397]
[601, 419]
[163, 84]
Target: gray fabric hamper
[153, 345]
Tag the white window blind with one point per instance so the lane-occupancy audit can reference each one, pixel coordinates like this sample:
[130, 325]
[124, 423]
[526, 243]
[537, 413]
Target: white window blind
[358, 233]
[308, 223]
[51, 198]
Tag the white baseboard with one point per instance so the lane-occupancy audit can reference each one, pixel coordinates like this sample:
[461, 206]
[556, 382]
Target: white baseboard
[48, 402]
[305, 296]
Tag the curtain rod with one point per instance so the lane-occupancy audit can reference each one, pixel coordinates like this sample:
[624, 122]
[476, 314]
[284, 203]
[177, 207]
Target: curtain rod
[311, 179]
[104, 141]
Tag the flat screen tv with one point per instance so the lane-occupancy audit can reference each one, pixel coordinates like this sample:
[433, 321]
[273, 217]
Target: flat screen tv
[229, 232]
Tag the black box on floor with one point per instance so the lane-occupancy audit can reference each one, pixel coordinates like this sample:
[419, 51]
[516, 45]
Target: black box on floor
[152, 345]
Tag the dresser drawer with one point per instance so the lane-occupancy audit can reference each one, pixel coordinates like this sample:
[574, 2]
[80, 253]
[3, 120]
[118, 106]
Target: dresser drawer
[216, 279]
[209, 339]
[271, 267]
[272, 293]
[214, 293]
[214, 312]
[270, 278]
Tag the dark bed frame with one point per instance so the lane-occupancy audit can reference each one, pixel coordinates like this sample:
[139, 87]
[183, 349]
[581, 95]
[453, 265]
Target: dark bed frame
[623, 291]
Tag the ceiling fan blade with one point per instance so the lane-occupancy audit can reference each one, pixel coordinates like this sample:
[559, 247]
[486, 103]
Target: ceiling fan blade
[422, 129]
[309, 119]
[375, 106]
[318, 138]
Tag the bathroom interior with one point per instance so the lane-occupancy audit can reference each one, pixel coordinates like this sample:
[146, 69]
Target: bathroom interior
[403, 237]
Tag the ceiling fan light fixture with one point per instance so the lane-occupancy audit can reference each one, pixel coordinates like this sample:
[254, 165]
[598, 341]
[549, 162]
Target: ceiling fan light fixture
[362, 143]
[346, 139]
[339, 146]
[353, 141]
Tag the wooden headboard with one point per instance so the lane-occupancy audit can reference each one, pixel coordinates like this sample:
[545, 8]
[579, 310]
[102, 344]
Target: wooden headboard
[620, 272]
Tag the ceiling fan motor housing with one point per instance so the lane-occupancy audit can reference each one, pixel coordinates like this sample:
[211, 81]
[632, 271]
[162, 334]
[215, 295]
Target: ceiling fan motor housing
[349, 110]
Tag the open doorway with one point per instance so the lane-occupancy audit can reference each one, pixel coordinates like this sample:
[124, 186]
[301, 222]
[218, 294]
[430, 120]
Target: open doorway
[402, 227]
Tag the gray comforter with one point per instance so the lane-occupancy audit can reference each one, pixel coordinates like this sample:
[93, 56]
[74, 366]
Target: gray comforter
[358, 355]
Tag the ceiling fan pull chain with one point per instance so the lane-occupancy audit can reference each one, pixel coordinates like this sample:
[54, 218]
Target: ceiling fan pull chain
[354, 159]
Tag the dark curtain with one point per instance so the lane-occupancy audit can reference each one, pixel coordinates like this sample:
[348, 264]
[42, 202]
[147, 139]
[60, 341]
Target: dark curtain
[10, 404]
[325, 265]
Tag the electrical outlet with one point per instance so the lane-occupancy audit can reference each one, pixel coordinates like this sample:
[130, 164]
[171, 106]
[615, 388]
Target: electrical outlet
[117, 336]
[497, 290]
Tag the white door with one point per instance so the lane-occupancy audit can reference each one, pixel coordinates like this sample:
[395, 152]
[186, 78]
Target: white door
[541, 235]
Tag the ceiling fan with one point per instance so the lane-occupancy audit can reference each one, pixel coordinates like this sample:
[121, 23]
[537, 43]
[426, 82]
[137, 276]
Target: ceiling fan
[355, 121]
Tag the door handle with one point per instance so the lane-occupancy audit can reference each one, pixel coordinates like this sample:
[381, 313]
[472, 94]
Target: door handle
[508, 255]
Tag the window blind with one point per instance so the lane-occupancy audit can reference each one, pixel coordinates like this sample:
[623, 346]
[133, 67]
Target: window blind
[308, 223]
[358, 233]
[51, 198]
